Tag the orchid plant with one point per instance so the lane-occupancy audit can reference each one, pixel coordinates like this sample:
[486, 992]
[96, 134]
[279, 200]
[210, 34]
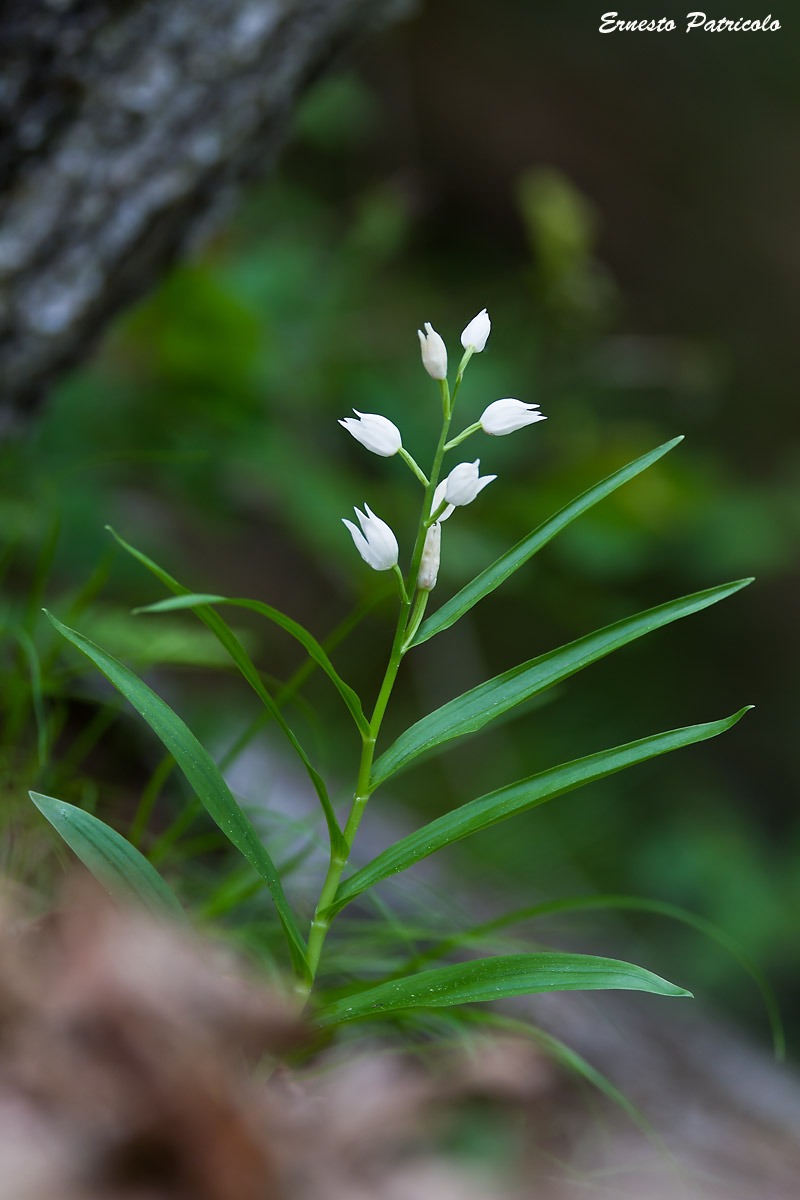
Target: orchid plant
[124, 870]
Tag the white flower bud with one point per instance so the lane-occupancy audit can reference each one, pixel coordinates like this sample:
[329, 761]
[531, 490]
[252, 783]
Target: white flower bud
[434, 352]
[506, 416]
[477, 332]
[463, 483]
[375, 541]
[378, 434]
[429, 564]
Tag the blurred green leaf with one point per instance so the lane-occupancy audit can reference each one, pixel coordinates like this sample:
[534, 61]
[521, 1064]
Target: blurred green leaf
[201, 774]
[113, 861]
[196, 600]
[227, 638]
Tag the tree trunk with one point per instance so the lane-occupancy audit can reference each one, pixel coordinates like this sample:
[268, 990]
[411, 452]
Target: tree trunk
[126, 127]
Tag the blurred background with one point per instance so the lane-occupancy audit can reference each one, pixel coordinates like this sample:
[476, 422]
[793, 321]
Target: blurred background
[626, 208]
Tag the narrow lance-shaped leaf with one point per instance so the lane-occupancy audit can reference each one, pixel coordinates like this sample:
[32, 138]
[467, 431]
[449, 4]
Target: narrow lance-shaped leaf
[481, 934]
[201, 773]
[675, 913]
[474, 709]
[518, 555]
[485, 979]
[115, 863]
[228, 639]
[186, 599]
[197, 600]
[517, 798]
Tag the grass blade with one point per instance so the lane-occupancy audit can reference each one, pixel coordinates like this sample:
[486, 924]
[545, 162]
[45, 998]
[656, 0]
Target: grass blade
[569, 1058]
[514, 558]
[474, 709]
[113, 861]
[228, 639]
[485, 979]
[519, 797]
[315, 651]
[201, 773]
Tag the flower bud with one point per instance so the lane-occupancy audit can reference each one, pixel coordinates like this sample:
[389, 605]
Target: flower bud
[434, 352]
[375, 541]
[463, 483]
[506, 416]
[429, 564]
[378, 434]
[477, 332]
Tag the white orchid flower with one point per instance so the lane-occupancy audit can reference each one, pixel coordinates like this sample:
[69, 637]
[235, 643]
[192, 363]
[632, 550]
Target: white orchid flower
[374, 541]
[377, 433]
[464, 482]
[460, 487]
[506, 416]
[434, 352]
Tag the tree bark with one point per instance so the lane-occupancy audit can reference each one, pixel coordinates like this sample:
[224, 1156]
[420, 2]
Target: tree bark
[126, 127]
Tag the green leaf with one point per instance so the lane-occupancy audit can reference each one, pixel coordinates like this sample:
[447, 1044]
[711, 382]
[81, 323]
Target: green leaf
[315, 651]
[517, 798]
[485, 979]
[227, 638]
[113, 861]
[480, 933]
[514, 558]
[662, 908]
[474, 709]
[201, 773]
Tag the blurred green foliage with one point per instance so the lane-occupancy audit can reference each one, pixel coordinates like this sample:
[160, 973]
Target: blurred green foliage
[204, 429]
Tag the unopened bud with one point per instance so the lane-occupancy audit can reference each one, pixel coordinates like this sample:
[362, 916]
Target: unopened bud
[429, 566]
[434, 352]
[476, 334]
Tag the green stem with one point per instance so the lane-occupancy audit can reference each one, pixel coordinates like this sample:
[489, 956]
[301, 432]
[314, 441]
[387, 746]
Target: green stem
[405, 620]
[401, 587]
[322, 917]
[420, 604]
[465, 433]
[414, 465]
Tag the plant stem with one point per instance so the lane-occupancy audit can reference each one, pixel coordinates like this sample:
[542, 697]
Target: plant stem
[322, 918]
[401, 586]
[415, 619]
[414, 465]
[465, 433]
[405, 620]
